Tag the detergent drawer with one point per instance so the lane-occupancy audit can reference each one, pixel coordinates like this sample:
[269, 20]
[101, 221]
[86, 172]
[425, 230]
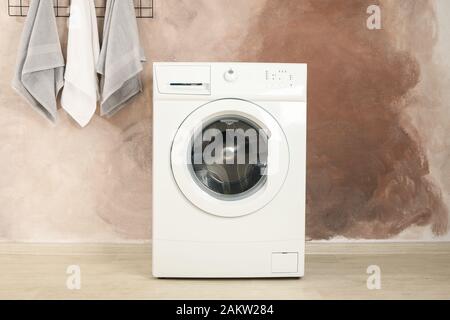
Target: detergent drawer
[183, 80]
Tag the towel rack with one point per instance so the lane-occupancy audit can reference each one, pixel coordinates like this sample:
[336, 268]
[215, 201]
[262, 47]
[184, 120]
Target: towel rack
[19, 8]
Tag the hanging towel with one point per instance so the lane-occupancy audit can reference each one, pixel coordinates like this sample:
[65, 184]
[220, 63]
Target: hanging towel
[121, 57]
[40, 65]
[80, 93]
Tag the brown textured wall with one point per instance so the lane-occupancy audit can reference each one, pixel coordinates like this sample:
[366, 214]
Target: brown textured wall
[367, 170]
[374, 169]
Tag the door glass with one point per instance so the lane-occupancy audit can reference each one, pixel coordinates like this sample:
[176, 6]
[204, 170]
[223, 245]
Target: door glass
[229, 157]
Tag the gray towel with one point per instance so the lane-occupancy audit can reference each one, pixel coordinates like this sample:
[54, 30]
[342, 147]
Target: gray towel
[121, 56]
[39, 72]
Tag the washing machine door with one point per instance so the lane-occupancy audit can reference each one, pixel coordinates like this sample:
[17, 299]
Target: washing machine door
[230, 158]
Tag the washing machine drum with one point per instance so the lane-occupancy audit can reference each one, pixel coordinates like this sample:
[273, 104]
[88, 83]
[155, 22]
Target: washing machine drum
[230, 158]
[242, 158]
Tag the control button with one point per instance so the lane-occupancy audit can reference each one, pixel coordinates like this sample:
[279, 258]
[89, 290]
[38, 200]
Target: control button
[230, 75]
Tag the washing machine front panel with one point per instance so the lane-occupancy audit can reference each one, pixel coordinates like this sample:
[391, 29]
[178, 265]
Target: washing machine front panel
[230, 158]
[211, 220]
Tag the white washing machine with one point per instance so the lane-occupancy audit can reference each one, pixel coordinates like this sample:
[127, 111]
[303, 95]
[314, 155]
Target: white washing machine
[242, 216]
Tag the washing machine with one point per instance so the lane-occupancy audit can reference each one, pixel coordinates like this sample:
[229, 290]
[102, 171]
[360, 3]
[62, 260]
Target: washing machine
[229, 170]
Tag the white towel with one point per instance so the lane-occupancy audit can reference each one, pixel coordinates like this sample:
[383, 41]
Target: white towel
[80, 93]
[121, 57]
[40, 64]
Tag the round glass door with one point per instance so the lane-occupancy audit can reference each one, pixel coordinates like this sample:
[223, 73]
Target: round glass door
[229, 157]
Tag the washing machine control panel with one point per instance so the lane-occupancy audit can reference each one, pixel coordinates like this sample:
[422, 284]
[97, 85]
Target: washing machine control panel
[271, 81]
[268, 81]
[279, 78]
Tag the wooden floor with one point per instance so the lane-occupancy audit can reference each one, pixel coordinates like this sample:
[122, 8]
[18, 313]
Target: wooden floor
[333, 271]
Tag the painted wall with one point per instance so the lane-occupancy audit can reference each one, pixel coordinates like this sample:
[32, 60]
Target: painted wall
[379, 122]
